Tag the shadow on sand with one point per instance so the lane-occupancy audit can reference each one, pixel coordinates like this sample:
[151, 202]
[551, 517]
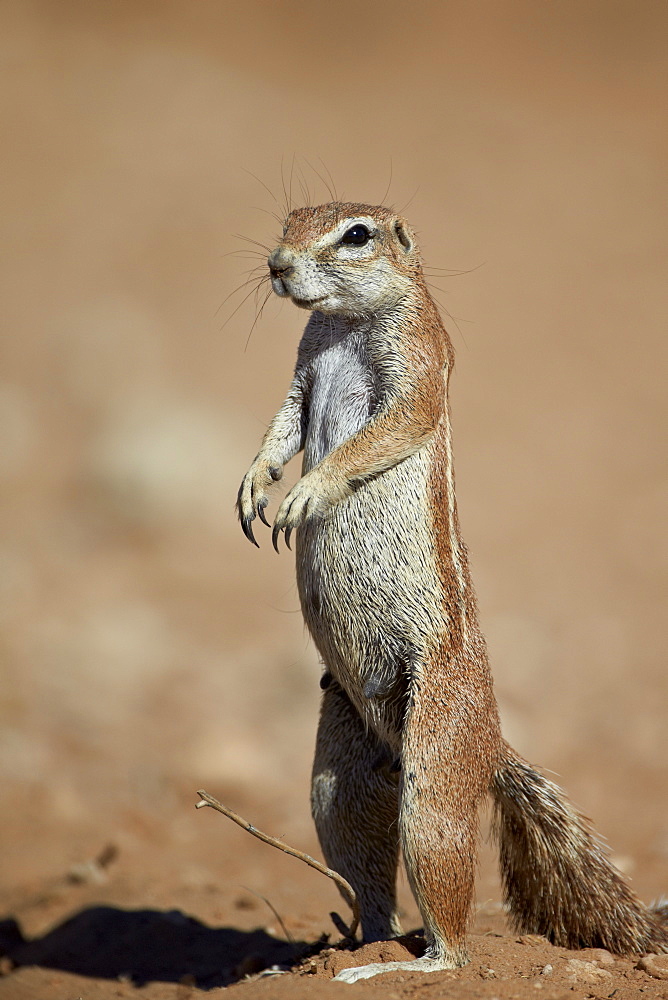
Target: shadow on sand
[148, 945]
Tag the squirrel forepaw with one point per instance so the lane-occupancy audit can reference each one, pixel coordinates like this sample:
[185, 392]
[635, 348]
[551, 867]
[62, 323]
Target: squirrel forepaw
[311, 497]
[253, 499]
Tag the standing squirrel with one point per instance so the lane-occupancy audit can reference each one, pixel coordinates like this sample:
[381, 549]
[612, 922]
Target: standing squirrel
[409, 741]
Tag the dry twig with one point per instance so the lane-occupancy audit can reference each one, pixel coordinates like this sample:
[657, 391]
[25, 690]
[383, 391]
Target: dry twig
[345, 887]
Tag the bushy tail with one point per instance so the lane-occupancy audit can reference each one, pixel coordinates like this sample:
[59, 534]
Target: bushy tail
[558, 880]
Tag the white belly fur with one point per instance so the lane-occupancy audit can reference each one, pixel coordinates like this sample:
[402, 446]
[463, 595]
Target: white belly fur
[369, 589]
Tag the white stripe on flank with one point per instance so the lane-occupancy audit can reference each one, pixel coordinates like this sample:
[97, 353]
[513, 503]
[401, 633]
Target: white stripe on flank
[454, 540]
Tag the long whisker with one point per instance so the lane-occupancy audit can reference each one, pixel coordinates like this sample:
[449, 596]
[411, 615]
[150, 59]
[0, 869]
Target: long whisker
[323, 180]
[303, 187]
[449, 314]
[265, 186]
[451, 272]
[389, 185]
[244, 254]
[258, 282]
[259, 269]
[262, 246]
[410, 200]
[292, 171]
[332, 189]
[258, 315]
[244, 284]
[274, 215]
[288, 206]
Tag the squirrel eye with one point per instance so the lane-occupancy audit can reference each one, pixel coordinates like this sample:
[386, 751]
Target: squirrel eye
[357, 236]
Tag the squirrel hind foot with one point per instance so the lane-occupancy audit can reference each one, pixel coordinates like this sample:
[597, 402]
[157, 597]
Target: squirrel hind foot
[424, 964]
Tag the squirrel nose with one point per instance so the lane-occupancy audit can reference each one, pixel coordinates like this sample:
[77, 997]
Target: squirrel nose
[280, 263]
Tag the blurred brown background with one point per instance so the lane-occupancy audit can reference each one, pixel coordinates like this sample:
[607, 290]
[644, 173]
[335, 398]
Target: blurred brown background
[147, 648]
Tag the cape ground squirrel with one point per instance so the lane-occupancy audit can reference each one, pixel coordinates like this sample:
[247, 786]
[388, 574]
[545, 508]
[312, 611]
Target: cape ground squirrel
[409, 740]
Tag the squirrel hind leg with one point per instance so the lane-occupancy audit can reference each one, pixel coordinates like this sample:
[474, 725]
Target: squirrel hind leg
[355, 805]
[450, 743]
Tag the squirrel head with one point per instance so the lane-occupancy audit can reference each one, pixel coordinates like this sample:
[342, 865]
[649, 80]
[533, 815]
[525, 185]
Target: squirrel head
[345, 259]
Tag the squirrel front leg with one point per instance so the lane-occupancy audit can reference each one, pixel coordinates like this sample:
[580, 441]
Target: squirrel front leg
[404, 422]
[283, 439]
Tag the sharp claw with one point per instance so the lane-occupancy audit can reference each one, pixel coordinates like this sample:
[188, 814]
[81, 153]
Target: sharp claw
[274, 537]
[260, 511]
[247, 529]
[288, 532]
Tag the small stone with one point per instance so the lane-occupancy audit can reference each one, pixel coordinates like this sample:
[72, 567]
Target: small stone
[603, 957]
[654, 965]
[598, 955]
[547, 970]
[586, 972]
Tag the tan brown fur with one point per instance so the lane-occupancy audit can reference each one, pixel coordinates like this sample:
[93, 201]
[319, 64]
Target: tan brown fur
[409, 740]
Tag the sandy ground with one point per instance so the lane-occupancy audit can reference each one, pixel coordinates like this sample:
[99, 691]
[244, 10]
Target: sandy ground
[147, 649]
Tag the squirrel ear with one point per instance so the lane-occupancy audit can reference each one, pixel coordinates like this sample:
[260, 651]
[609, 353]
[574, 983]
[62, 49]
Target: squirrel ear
[403, 235]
